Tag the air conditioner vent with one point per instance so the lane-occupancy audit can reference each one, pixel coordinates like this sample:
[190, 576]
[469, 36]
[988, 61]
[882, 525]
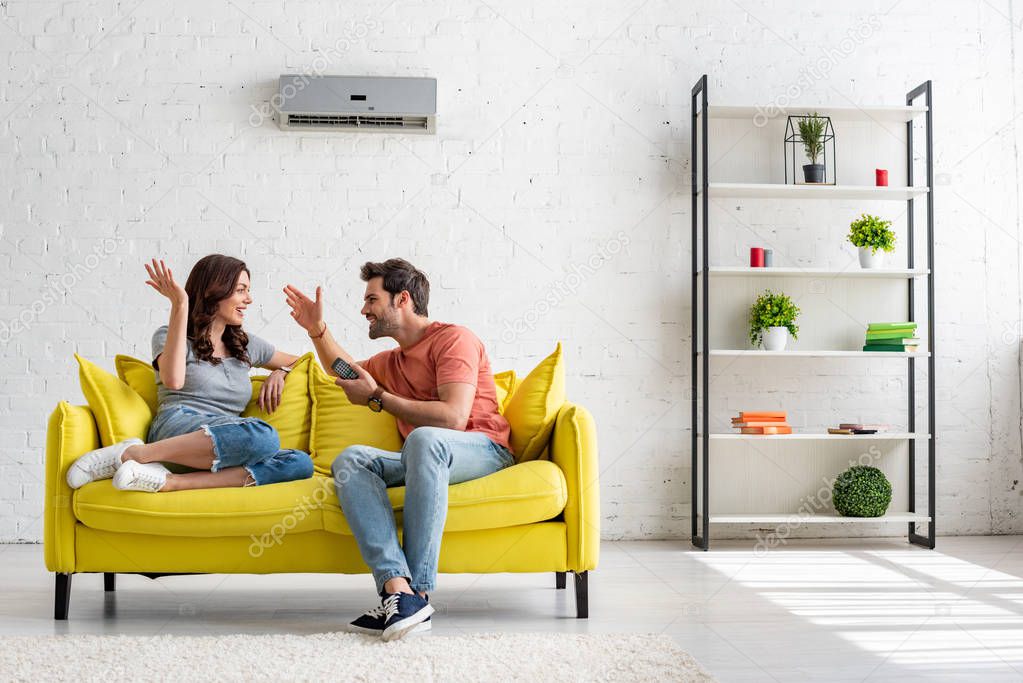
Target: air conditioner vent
[356, 104]
[356, 121]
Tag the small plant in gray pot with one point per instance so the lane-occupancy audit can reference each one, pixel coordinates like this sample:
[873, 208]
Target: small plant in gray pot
[811, 132]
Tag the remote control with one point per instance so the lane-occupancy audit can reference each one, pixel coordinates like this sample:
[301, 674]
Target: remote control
[343, 369]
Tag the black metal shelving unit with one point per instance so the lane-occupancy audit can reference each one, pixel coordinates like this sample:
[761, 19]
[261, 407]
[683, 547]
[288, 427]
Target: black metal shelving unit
[700, 340]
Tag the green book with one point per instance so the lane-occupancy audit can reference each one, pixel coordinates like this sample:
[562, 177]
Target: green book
[904, 341]
[894, 334]
[877, 347]
[889, 326]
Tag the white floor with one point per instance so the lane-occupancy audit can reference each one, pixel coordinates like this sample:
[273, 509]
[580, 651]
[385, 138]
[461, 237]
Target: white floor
[810, 610]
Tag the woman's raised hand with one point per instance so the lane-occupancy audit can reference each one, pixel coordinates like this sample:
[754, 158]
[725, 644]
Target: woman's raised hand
[162, 280]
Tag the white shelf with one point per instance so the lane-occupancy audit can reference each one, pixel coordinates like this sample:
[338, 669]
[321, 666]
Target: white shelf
[865, 290]
[796, 518]
[757, 353]
[780, 191]
[818, 436]
[886, 114]
[852, 272]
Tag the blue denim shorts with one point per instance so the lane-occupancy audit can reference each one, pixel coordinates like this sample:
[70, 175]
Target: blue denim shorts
[237, 442]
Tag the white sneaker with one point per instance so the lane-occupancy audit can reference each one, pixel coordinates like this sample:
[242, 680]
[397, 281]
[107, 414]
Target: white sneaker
[101, 463]
[136, 476]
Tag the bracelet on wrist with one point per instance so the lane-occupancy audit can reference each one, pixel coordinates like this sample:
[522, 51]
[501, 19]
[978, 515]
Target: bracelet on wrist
[322, 332]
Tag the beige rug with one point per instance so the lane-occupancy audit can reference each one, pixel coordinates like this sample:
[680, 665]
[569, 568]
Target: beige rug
[348, 657]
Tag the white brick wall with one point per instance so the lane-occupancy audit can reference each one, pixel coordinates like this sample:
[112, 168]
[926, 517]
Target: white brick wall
[125, 134]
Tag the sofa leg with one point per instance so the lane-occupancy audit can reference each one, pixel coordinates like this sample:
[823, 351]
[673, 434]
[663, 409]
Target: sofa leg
[61, 596]
[109, 582]
[582, 597]
[559, 580]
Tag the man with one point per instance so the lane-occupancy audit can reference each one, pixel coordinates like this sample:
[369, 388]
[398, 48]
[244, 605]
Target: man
[438, 384]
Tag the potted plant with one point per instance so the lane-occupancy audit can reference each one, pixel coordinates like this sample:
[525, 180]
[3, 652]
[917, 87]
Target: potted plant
[772, 318]
[811, 132]
[871, 234]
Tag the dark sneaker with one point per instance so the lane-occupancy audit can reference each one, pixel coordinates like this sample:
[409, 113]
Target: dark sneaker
[372, 623]
[403, 612]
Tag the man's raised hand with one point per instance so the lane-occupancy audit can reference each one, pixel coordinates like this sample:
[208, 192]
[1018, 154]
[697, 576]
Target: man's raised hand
[306, 312]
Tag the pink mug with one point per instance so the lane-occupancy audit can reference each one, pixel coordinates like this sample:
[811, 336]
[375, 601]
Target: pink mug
[756, 257]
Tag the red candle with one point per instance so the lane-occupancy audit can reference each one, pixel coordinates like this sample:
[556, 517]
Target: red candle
[756, 257]
[882, 177]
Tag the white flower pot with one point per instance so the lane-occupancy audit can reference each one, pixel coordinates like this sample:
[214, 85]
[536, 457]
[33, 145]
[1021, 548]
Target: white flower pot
[871, 259]
[775, 338]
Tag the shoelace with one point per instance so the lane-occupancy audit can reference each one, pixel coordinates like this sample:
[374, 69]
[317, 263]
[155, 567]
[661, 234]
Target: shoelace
[390, 605]
[104, 471]
[102, 468]
[146, 477]
[377, 611]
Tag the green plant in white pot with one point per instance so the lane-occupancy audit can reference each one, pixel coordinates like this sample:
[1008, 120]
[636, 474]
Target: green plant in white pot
[874, 237]
[772, 318]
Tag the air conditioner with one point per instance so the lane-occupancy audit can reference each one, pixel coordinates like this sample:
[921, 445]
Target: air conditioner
[356, 103]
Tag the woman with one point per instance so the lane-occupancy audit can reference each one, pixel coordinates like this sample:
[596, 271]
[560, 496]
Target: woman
[202, 359]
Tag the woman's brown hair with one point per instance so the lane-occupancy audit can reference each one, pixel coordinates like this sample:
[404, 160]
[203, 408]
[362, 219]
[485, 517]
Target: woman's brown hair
[212, 280]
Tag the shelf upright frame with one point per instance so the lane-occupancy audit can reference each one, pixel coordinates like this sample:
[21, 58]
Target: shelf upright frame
[700, 188]
[926, 540]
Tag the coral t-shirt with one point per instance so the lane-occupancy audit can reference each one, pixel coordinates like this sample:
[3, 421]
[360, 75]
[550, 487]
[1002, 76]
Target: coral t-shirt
[446, 353]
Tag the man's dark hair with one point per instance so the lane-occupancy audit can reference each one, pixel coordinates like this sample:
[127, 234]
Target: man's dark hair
[400, 275]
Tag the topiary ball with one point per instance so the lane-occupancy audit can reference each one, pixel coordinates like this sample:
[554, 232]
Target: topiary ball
[861, 491]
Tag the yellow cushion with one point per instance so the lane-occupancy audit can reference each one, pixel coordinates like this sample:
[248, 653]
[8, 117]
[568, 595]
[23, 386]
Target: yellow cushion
[274, 509]
[337, 424]
[293, 416]
[120, 412]
[140, 376]
[505, 383]
[521, 494]
[534, 406]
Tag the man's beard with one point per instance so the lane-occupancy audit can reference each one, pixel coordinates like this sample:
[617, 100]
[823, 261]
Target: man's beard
[381, 327]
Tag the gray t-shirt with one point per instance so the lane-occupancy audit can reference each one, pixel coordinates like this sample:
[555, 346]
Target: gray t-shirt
[223, 389]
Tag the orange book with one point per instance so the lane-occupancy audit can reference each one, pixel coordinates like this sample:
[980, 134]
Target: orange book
[778, 416]
[762, 415]
[772, 423]
[767, 430]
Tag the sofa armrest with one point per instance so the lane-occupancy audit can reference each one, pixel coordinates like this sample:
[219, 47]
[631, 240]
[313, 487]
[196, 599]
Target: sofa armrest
[573, 448]
[70, 433]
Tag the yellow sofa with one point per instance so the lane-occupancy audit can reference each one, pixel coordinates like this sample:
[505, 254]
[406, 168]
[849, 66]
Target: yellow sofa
[539, 515]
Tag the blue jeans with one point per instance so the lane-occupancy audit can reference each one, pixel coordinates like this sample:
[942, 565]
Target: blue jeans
[237, 442]
[430, 460]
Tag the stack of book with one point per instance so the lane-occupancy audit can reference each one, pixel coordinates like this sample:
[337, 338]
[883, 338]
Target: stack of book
[857, 428]
[892, 337]
[763, 422]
